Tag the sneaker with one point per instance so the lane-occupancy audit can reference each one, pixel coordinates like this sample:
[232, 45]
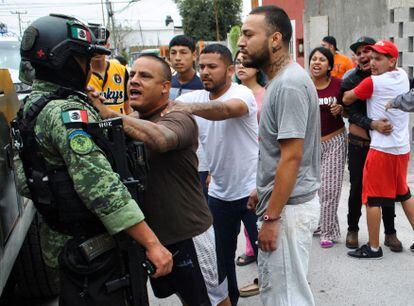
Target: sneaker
[412, 248]
[352, 240]
[393, 243]
[365, 252]
[326, 243]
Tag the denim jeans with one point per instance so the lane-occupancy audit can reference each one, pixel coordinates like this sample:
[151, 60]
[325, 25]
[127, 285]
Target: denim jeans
[227, 216]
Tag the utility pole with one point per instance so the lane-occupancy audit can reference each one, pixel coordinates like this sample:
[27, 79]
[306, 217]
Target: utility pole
[18, 13]
[111, 20]
[103, 14]
[217, 23]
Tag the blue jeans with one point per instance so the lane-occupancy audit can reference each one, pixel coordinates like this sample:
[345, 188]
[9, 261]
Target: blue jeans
[227, 216]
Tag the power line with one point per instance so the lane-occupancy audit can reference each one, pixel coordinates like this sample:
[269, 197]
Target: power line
[66, 2]
[18, 13]
[53, 5]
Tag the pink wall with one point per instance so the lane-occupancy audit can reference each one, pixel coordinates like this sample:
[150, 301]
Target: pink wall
[295, 11]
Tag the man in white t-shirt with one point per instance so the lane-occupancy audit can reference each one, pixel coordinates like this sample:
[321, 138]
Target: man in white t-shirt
[385, 173]
[229, 137]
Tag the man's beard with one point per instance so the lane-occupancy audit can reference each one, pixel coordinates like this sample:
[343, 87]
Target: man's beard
[216, 85]
[257, 60]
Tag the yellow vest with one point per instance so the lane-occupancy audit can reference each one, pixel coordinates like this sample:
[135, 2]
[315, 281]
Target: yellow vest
[113, 86]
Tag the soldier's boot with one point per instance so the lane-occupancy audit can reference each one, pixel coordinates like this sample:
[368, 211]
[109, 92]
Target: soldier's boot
[393, 243]
[352, 240]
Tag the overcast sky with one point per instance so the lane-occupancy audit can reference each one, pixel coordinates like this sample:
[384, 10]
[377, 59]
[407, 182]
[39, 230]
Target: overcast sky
[144, 13]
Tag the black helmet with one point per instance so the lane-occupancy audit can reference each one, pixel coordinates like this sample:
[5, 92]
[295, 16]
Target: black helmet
[51, 40]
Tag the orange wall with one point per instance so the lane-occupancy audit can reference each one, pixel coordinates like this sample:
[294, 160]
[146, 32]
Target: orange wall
[295, 9]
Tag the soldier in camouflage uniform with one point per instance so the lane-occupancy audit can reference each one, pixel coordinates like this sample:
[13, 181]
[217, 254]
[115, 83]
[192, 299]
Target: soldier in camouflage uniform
[63, 142]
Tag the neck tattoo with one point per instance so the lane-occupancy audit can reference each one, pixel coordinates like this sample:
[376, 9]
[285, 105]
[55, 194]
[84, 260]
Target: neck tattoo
[279, 63]
[275, 49]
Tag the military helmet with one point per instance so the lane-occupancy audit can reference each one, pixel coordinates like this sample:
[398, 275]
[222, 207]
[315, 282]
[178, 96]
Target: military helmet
[51, 40]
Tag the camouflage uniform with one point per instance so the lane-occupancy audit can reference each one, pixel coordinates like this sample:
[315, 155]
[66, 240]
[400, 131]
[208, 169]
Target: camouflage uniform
[99, 188]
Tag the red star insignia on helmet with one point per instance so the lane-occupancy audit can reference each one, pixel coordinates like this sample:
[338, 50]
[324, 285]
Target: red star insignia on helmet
[40, 53]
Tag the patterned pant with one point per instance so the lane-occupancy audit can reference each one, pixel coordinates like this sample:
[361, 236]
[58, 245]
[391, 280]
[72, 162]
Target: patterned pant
[333, 157]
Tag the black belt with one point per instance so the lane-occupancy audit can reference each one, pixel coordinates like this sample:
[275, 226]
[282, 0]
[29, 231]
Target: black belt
[357, 141]
[96, 246]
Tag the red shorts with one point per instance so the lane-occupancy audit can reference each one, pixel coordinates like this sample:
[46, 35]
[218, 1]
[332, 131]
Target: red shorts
[385, 179]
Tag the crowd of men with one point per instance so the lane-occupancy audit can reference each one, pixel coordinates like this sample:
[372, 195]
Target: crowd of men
[207, 165]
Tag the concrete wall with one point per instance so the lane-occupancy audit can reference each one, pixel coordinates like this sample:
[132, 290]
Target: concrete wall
[347, 21]
[150, 37]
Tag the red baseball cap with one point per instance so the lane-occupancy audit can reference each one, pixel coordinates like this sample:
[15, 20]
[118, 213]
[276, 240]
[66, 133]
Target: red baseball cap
[385, 47]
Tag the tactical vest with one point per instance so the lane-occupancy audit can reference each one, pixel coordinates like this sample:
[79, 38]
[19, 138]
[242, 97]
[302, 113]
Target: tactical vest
[52, 191]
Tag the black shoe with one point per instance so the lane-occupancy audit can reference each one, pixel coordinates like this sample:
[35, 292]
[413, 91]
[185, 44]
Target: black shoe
[365, 252]
[412, 248]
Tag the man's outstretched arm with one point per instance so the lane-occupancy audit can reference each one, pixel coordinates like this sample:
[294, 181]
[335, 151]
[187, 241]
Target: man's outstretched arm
[404, 102]
[214, 110]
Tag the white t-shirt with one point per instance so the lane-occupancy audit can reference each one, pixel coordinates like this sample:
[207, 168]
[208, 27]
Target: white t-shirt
[201, 122]
[386, 87]
[231, 145]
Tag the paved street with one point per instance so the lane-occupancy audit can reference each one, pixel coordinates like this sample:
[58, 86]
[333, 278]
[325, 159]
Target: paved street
[337, 279]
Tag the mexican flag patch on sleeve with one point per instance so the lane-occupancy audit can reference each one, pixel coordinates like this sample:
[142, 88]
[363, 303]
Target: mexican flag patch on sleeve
[75, 117]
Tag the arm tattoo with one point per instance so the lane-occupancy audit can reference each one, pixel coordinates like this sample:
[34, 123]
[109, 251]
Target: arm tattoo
[157, 137]
[211, 110]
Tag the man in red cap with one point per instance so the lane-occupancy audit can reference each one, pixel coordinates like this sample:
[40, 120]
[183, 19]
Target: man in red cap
[385, 171]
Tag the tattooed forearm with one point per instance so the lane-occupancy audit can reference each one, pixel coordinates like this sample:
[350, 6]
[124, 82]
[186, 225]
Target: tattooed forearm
[213, 110]
[216, 110]
[156, 137]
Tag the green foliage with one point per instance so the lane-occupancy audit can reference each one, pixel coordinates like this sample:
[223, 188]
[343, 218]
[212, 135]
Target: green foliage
[199, 17]
[234, 35]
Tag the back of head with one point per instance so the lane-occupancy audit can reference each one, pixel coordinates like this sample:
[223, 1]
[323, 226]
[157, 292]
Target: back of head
[277, 20]
[183, 40]
[52, 43]
[223, 51]
[121, 60]
[330, 40]
[166, 71]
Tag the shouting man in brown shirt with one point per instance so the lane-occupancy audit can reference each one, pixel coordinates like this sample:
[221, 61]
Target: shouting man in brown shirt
[173, 203]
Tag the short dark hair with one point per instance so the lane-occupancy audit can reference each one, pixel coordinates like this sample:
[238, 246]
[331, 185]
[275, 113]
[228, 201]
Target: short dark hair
[260, 76]
[165, 67]
[223, 51]
[183, 40]
[330, 40]
[277, 19]
[121, 60]
[327, 53]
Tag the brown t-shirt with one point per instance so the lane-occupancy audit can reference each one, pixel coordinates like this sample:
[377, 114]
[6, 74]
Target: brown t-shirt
[173, 204]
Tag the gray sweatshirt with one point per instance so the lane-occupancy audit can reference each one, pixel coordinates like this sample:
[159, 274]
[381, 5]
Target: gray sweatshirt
[404, 102]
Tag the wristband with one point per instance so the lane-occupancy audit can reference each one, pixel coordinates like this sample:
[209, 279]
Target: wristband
[267, 218]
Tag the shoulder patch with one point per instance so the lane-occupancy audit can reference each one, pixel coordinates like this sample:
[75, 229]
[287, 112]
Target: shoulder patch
[70, 106]
[80, 142]
[75, 118]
